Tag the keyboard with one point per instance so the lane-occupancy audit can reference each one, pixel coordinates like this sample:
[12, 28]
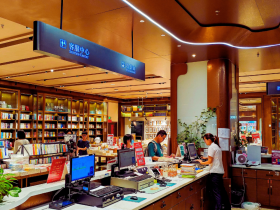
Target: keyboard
[140, 178]
[105, 191]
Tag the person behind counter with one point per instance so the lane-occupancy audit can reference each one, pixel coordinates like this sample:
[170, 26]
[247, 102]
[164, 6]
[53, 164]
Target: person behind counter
[127, 141]
[83, 144]
[21, 140]
[215, 181]
[154, 147]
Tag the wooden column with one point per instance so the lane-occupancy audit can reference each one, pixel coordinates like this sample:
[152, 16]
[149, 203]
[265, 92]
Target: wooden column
[176, 71]
[121, 122]
[219, 93]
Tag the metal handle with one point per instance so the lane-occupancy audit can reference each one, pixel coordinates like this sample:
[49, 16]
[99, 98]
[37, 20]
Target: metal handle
[245, 173]
[179, 195]
[163, 204]
[191, 188]
[192, 207]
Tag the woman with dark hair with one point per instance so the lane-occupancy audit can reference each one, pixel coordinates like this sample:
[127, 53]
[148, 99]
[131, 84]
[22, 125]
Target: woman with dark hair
[128, 141]
[21, 140]
[215, 181]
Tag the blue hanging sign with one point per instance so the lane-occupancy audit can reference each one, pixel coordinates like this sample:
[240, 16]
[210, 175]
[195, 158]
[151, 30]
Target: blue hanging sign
[57, 43]
[273, 88]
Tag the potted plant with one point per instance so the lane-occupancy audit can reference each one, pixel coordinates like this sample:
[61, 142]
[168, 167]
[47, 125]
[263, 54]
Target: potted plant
[6, 186]
[194, 132]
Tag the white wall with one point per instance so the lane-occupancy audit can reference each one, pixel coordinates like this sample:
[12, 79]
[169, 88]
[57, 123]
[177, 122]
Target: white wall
[192, 92]
[192, 96]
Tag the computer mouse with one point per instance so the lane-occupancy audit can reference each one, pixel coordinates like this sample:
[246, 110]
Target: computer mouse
[134, 198]
[163, 185]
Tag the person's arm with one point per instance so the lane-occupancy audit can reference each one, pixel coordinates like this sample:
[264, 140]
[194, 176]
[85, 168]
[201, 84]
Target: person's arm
[152, 152]
[209, 161]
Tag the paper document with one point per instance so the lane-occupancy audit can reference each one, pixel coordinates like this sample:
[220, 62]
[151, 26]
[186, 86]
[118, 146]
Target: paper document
[224, 144]
[223, 132]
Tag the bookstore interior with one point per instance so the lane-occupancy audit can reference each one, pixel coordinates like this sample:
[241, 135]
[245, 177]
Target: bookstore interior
[112, 104]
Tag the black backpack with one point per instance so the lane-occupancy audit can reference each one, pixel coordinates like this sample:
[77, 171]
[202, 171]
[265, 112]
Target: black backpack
[146, 152]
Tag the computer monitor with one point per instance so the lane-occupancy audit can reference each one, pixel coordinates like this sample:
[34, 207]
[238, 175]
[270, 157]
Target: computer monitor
[126, 157]
[82, 167]
[192, 151]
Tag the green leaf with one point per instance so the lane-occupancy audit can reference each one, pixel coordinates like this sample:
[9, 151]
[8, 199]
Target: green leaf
[13, 193]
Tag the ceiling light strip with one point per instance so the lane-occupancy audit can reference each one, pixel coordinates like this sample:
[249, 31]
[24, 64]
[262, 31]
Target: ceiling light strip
[192, 43]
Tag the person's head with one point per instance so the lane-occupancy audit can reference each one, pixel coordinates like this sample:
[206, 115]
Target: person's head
[128, 139]
[21, 134]
[209, 138]
[161, 135]
[84, 135]
[69, 132]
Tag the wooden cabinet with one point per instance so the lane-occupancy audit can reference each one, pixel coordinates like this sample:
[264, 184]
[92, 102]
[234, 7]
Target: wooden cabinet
[263, 191]
[246, 172]
[179, 196]
[274, 193]
[179, 206]
[150, 207]
[164, 204]
[264, 174]
[193, 202]
[250, 187]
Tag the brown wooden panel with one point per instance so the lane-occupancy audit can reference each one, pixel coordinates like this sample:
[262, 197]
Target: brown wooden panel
[164, 204]
[263, 191]
[274, 193]
[246, 172]
[264, 174]
[267, 132]
[190, 189]
[201, 183]
[180, 206]
[150, 207]
[176, 71]
[193, 202]
[178, 196]
[251, 189]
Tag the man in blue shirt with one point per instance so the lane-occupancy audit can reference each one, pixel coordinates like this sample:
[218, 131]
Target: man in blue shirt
[154, 147]
[83, 144]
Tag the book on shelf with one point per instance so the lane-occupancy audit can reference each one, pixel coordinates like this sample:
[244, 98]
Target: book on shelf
[8, 116]
[4, 152]
[25, 125]
[25, 117]
[54, 148]
[6, 135]
[49, 117]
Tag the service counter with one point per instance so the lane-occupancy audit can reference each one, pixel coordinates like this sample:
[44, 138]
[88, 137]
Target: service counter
[186, 194]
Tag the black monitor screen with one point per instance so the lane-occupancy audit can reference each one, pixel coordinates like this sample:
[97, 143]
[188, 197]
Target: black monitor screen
[82, 167]
[126, 158]
[192, 151]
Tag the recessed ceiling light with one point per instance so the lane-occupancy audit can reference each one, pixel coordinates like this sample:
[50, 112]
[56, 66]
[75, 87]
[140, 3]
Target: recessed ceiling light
[7, 77]
[116, 89]
[179, 45]
[51, 70]
[63, 73]
[142, 21]
[27, 74]
[112, 84]
[217, 12]
[46, 72]
[193, 55]
[162, 34]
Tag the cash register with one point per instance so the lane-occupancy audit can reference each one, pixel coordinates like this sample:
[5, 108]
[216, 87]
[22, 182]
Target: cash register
[79, 189]
[127, 178]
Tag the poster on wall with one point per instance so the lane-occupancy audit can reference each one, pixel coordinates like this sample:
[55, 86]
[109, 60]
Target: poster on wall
[110, 139]
[139, 154]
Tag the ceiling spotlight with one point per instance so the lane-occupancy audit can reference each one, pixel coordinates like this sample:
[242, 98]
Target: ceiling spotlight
[7, 77]
[162, 34]
[142, 21]
[46, 72]
[51, 70]
[258, 54]
[63, 73]
[27, 74]
[45, 80]
[112, 84]
[179, 45]
[217, 12]
[116, 89]
[193, 55]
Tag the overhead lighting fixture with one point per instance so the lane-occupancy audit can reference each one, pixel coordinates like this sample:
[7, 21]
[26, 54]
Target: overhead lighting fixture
[84, 66]
[193, 55]
[191, 43]
[27, 74]
[179, 45]
[162, 34]
[116, 89]
[7, 77]
[63, 73]
[51, 70]
[112, 84]
[217, 12]
[142, 21]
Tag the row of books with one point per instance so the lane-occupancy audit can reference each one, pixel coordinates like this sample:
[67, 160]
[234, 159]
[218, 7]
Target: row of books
[49, 134]
[6, 135]
[8, 116]
[4, 153]
[61, 125]
[4, 143]
[25, 117]
[46, 160]
[7, 125]
[54, 148]
[90, 132]
[25, 125]
[40, 126]
[49, 117]
[50, 125]
[91, 125]
[62, 117]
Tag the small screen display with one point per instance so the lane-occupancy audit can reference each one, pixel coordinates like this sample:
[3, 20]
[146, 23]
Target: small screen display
[192, 150]
[126, 158]
[82, 167]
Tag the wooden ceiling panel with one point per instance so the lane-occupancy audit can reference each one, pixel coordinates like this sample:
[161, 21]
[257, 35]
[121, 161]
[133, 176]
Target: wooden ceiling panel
[269, 10]
[32, 66]
[231, 11]
[17, 52]
[252, 88]
[10, 29]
